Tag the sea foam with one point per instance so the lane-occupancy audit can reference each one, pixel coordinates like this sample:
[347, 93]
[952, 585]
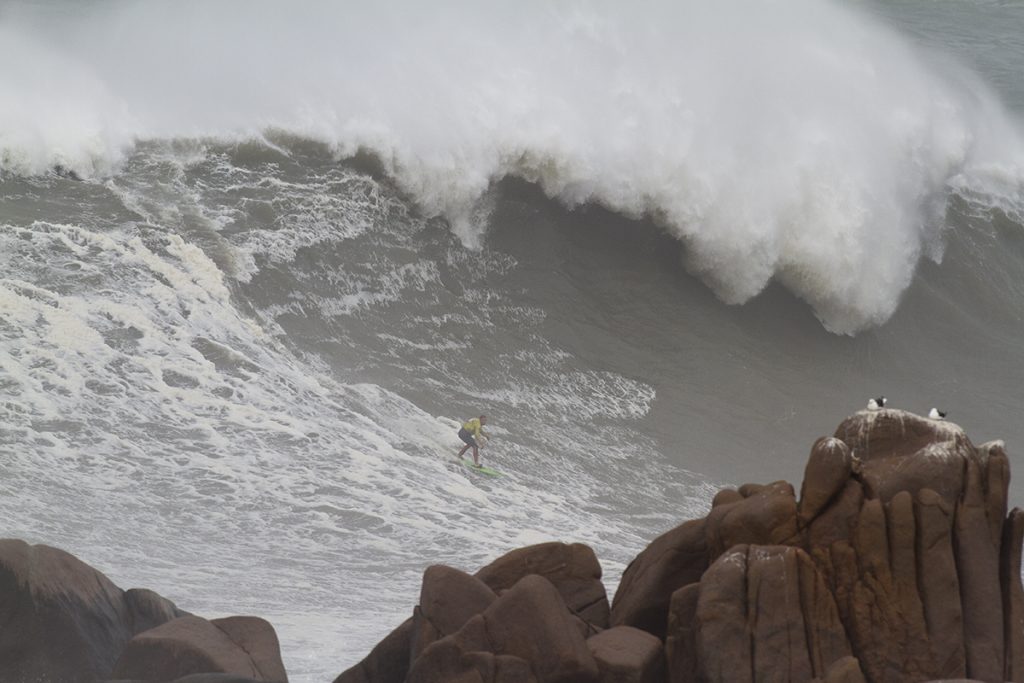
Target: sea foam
[799, 141]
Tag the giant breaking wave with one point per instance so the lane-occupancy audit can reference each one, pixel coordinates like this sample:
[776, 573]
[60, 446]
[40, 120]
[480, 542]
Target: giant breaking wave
[796, 141]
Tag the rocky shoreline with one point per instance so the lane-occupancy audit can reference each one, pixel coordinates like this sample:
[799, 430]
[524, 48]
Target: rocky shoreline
[897, 562]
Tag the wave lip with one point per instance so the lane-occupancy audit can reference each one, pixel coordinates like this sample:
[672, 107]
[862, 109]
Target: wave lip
[802, 142]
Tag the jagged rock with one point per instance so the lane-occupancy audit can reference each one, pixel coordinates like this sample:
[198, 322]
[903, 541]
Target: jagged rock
[681, 641]
[838, 520]
[673, 560]
[900, 451]
[920, 521]
[726, 496]
[939, 584]
[572, 568]
[1013, 595]
[996, 481]
[448, 598]
[257, 638]
[148, 609]
[902, 537]
[627, 655]
[892, 577]
[242, 646]
[446, 662]
[529, 621]
[977, 562]
[65, 622]
[766, 516]
[388, 662]
[827, 472]
[765, 613]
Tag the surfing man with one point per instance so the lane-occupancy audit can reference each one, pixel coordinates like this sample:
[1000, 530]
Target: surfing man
[469, 433]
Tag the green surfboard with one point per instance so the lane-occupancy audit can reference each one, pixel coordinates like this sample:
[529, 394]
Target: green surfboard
[482, 469]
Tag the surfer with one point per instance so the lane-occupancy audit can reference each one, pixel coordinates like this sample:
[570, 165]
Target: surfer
[469, 433]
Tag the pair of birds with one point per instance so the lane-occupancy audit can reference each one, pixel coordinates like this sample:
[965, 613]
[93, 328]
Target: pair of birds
[879, 403]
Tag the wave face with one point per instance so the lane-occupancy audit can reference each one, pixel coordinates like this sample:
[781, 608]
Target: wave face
[801, 141]
[233, 356]
[204, 369]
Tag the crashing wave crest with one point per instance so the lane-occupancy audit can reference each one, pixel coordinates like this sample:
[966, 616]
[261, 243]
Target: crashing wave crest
[799, 141]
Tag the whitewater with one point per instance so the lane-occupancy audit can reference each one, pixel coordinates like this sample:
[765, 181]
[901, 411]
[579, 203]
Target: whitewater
[774, 141]
[256, 263]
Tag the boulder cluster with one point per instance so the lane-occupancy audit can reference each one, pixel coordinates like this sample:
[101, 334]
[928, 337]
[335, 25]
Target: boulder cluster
[61, 621]
[897, 563]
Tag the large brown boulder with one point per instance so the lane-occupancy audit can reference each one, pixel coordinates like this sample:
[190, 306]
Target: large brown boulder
[258, 639]
[765, 613]
[827, 472]
[241, 646]
[529, 622]
[1013, 595]
[681, 656]
[148, 609]
[628, 655]
[447, 662]
[63, 621]
[767, 515]
[448, 599]
[675, 559]
[388, 662]
[462, 630]
[754, 514]
[572, 568]
[976, 553]
[921, 520]
[893, 580]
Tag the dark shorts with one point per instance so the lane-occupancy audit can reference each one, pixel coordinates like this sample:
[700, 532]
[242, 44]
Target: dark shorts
[467, 437]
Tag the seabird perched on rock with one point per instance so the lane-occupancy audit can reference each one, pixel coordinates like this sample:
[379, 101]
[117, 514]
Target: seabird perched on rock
[937, 414]
[877, 403]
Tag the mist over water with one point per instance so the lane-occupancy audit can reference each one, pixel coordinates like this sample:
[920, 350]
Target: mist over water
[307, 242]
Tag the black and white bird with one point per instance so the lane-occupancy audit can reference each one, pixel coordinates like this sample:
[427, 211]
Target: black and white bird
[937, 414]
[877, 403]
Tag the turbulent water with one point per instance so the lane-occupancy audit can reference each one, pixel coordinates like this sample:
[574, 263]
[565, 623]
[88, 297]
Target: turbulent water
[257, 262]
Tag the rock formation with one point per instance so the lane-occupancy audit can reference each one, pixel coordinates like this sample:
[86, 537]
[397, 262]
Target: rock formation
[64, 622]
[551, 600]
[897, 563]
[241, 646]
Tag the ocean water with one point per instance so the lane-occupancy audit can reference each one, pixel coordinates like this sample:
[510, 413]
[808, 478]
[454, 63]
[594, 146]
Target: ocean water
[257, 262]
